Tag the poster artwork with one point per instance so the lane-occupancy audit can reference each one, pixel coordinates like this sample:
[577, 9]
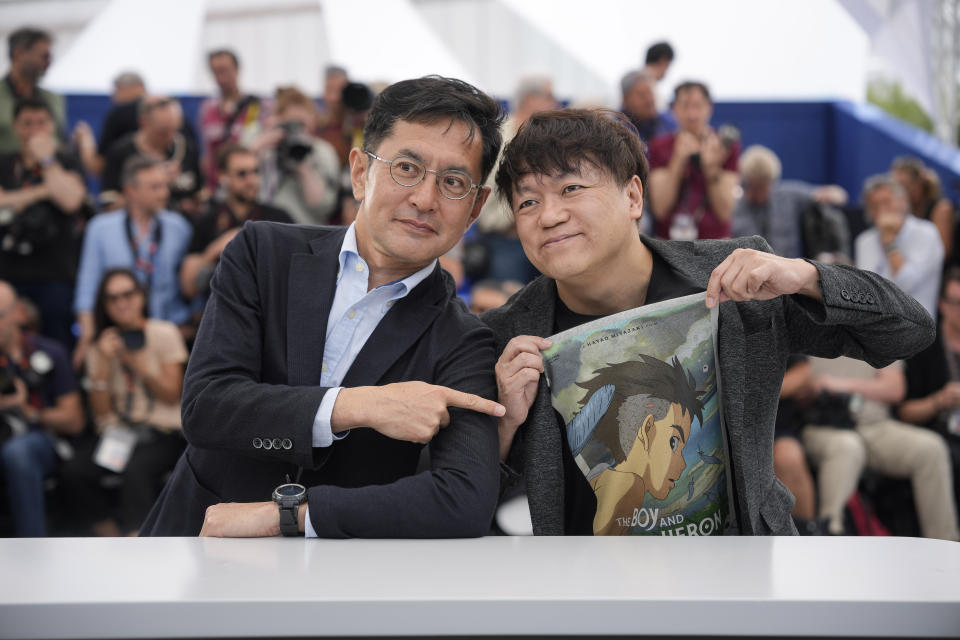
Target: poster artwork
[639, 395]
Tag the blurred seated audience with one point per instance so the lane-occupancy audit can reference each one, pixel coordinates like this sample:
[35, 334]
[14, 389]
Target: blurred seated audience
[839, 454]
[486, 295]
[493, 251]
[159, 137]
[855, 395]
[933, 377]
[145, 237]
[333, 123]
[900, 247]
[797, 219]
[693, 171]
[233, 116]
[300, 172]
[41, 191]
[639, 105]
[135, 367]
[922, 187]
[239, 176]
[39, 406]
[29, 51]
[122, 119]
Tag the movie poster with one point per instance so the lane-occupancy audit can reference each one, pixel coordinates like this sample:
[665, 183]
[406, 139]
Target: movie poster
[639, 393]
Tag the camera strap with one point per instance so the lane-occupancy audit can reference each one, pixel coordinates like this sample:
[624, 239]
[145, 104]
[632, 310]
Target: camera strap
[131, 383]
[145, 265]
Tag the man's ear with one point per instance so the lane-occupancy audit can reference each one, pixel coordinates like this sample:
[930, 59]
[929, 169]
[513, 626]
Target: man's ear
[645, 433]
[358, 173]
[634, 192]
[482, 194]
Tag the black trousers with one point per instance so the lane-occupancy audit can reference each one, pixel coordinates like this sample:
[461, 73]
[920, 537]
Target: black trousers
[154, 455]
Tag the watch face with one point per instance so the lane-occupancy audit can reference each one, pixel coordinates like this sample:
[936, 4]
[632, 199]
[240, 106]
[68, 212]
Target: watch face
[290, 490]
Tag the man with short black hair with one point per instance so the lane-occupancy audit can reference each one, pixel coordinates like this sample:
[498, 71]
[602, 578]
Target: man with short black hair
[41, 191]
[231, 117]
[329, 356]
[239, 173]
[29, 51]
[145, 237]
[575, 180]
[658, 59]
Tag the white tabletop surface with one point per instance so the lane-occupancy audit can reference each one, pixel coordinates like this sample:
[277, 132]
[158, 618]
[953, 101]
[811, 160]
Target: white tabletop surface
[738, 586]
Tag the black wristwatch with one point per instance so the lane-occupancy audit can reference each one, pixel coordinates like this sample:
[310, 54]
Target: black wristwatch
[289, 497]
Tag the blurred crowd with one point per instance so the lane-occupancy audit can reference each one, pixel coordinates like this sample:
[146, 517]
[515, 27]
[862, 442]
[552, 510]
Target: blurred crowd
[108, 245]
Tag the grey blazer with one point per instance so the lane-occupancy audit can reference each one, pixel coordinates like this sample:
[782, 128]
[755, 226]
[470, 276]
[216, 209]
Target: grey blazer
[862, 316]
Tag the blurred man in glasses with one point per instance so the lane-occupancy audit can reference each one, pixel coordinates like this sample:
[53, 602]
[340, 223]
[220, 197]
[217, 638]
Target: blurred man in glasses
[329, 357]
[238, 172]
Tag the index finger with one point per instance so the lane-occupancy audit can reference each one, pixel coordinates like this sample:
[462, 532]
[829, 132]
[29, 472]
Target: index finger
[713, 286]
[474, 403]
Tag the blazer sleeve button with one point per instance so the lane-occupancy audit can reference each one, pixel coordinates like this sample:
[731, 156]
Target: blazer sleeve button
[257, 443]
[287, 444]
[267, 444]
[844, 294]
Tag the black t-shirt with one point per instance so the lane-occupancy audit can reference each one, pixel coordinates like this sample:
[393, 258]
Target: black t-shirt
[220, 218]
[580, 503]
[40, 244]
[187, 184]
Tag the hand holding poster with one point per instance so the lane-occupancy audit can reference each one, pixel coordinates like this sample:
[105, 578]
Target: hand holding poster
[639, 395]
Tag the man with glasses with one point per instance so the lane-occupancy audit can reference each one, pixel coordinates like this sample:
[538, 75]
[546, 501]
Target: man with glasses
[328, 357]
[239, 174]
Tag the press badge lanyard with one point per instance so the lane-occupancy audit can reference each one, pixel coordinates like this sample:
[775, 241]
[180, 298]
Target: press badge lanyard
[144, 265]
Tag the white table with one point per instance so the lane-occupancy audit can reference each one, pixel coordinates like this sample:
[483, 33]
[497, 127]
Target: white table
[190, 587]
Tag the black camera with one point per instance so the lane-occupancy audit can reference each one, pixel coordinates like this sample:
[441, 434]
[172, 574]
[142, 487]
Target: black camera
[133, 339]
[295, 145]
[34, 376]
[32, 229]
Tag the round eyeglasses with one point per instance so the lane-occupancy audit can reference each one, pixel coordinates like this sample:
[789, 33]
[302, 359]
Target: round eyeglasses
[407, 172]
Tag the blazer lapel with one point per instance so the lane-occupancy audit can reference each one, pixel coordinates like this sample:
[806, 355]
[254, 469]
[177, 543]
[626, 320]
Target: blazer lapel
[311, 284]
[403, 325]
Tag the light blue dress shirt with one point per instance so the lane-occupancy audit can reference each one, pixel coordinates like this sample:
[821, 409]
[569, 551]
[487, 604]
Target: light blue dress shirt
[105, 246]
[919, 243]
[354, 316]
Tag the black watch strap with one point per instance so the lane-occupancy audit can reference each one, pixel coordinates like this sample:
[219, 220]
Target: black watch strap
[289, 525]
[289, 497]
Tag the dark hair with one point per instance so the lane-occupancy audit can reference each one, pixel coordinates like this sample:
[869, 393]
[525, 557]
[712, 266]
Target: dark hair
[227, 151]
[25, 38]
[557, 142]
[950, 275]
[692, 84]
[33, 103]
[134, 165]
[645, 376]
[224, 52]
[659, 51]
[101, 320]
[432, 99]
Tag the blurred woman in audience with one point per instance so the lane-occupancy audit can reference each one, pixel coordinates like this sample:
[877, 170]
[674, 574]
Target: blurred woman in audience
[923, 189]
[136, 371]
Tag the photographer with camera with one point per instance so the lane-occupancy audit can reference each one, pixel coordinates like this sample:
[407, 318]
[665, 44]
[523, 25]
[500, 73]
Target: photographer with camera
[39, 402]
[40, 191]
[136, 369]
[239, 175]
[301, 173]
[693, 172]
